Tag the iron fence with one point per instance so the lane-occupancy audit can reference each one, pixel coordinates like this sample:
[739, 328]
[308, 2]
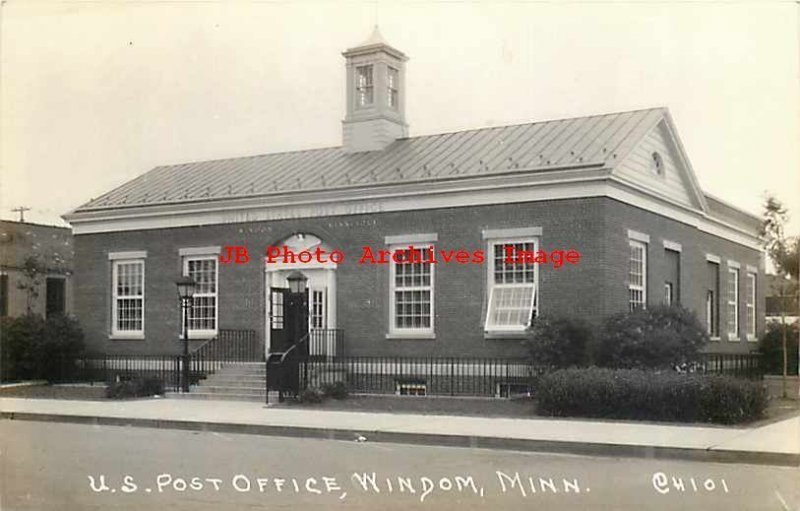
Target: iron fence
[489, 377]
[741, 365]
[424, 376]
[326, 343]
[110, 368]
[230, 346]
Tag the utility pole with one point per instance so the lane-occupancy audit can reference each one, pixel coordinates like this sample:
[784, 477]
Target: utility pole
[21, 210]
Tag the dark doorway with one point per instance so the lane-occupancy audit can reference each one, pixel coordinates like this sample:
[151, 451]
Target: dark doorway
[288, 318]
[56, 296]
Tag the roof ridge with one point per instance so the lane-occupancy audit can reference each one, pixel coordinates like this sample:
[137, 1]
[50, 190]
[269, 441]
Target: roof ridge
[465, 130]
[543, 121]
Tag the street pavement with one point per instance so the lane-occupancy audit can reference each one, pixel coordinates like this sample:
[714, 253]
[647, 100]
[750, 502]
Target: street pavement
[66, 467]
[776, 443]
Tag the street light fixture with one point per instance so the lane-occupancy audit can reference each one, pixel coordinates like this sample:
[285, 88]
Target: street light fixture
[186, 287]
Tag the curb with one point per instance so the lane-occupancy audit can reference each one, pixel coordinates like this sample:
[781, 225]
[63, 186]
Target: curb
[432, 439]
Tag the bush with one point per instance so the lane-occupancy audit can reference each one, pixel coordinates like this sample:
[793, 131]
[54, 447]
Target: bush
[660, 337]
[559, 342]
[33, 348]
[135, 387]
[311, 395]
[650, 395]
[336, 390]
[771, 348]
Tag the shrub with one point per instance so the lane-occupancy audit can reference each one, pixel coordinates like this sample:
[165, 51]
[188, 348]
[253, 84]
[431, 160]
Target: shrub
[771, 348]
[135, 387]
[34, 348]
[336, 390]
[559, 342]
[311, 395]
[660, 337]
[650, 395]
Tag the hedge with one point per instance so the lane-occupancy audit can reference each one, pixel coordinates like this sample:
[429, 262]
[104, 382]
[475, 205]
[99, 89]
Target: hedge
[650, 395]
[136, 387]
[35, 348]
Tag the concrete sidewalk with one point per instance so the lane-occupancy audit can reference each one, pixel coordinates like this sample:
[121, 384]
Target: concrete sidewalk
[777, 443]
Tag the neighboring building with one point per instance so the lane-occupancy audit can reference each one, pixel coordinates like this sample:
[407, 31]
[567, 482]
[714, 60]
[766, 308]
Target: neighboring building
[53, 252]
[778, 304]
[618, 188]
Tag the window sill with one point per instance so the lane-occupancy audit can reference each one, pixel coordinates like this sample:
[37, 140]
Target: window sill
[733, 338]
[411, 336]
[126, 337]
[199, 336]
[714, 339]
[500, 335]
[752, 338]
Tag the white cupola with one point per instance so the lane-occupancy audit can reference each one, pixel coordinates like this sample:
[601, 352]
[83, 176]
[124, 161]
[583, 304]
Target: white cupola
[375, 96]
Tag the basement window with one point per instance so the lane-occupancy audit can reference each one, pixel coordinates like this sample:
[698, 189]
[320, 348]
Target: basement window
[512, 389]
[411, 388]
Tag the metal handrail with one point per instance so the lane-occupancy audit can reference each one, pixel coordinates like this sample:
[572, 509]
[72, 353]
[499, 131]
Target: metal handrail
[293, 346]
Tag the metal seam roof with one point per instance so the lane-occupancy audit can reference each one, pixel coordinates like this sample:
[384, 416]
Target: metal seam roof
[486, 151]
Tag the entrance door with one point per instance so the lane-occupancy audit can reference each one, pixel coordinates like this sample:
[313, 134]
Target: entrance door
[278, 339]
[288, 318]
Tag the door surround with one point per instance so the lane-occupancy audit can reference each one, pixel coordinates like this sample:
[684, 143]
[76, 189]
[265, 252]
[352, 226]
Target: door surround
[321, 276]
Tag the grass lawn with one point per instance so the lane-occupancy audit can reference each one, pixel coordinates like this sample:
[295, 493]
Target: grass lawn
[481, 407]
[83, 391]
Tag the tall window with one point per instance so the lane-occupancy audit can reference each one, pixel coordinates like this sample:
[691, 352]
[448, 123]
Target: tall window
[316, 307]
[733, 303]
[203, 269]
[512, 285]
[712, 299]
[751, 305]
[364, 90]
[128, 297]
[711, 316]
[392, 87]
[637, 275]
[412, 291]
[276, 314]
[55, 290]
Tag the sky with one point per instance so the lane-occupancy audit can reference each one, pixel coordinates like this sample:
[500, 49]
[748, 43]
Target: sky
[93, 94]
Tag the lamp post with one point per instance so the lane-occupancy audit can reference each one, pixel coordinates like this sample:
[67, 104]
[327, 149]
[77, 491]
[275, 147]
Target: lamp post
[186, 287]
[297, 282]
[298, 304]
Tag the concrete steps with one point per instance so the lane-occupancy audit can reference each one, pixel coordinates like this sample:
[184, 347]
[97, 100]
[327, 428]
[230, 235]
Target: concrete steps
[243, 381]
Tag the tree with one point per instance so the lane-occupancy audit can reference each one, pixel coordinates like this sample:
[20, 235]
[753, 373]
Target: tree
[783, 252]
[559, 341]
[660, 337]
[32, 271]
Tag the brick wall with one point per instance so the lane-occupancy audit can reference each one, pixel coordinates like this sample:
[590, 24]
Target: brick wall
[597, 227]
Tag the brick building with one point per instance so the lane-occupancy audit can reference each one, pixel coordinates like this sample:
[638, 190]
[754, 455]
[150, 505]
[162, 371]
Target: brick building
[46, 252]
[618, 188]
